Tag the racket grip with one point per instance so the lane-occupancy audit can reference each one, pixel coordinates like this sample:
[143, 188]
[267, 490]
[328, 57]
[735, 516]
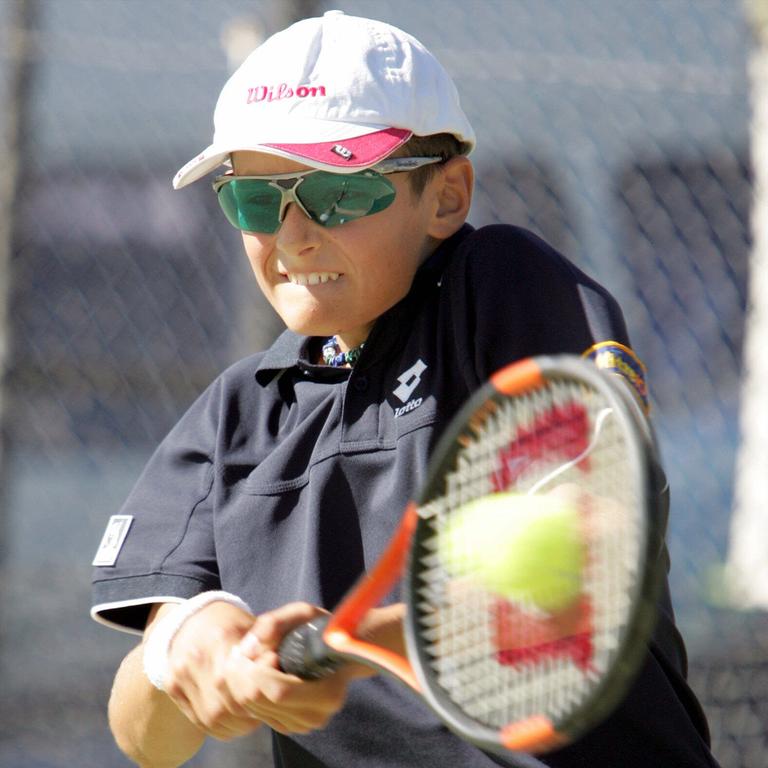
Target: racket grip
[303, 652]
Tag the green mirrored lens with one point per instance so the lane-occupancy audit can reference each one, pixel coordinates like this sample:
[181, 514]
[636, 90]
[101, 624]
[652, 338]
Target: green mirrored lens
[251, 205]
[332, 199]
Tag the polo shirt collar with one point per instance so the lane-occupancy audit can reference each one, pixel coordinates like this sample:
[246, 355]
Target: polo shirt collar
[286, 352]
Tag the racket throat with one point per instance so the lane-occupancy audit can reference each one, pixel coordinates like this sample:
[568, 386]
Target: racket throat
[374, 656]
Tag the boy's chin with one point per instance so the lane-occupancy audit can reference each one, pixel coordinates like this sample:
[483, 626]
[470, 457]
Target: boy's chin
[304, 328]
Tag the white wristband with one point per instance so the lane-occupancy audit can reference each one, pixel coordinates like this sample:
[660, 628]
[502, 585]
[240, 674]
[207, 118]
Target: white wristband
[157, 646]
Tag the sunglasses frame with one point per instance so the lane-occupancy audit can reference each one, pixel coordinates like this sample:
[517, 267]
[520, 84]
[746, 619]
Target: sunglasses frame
[288, 193]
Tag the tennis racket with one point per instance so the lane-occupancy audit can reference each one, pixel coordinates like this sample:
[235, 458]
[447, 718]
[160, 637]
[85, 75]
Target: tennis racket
[500, 671]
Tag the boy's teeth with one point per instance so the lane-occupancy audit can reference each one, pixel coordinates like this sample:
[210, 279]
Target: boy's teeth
[312, 278]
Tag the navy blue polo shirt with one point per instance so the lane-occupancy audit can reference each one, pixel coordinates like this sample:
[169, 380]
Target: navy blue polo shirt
[286, 479]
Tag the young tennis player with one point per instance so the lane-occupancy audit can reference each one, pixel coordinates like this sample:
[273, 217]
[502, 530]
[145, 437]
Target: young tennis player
[345, 167]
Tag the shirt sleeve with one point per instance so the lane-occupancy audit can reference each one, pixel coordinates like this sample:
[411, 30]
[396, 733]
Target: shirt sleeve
[160, 548]
[524, 299]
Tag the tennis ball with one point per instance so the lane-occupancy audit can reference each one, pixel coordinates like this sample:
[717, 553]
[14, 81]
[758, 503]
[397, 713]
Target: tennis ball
[525, 548]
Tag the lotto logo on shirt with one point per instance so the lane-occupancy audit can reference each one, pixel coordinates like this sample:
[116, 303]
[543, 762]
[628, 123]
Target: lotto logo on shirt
[409, 381]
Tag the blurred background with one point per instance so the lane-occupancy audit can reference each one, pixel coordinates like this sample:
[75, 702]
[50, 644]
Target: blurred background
[619, 130]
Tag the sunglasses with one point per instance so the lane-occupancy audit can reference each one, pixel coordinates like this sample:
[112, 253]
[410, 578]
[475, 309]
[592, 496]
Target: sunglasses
[258, 203]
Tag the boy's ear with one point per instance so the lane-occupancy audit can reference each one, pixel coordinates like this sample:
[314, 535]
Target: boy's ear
[453, 194]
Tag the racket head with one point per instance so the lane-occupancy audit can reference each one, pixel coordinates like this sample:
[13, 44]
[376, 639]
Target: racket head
[500, 671]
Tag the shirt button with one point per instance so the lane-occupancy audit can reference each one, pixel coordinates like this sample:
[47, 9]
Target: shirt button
[361, 384]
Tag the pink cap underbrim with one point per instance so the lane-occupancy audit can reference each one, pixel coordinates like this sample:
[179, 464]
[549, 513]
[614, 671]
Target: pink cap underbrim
[340, 155]
[358, 152]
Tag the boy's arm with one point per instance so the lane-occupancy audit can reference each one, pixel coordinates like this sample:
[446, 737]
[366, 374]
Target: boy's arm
[147, 726]
[164, 729]
[224, 681]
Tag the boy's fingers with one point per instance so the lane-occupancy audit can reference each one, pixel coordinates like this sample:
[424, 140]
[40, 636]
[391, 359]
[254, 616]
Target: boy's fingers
[234, 692]
[270, 627]
[272, 696]
[215, 712]
[250, 646]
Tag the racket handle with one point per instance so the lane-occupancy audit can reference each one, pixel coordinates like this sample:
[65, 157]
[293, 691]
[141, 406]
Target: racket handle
[303, 652]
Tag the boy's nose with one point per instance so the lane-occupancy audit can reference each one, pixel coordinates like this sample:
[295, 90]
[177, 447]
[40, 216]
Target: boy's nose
[298, 234]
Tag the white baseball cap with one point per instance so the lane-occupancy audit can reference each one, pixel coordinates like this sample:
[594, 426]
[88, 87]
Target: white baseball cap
[337, 93]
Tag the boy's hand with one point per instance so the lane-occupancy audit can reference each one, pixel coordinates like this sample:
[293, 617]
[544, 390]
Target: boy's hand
[380, 626]
[224, 674]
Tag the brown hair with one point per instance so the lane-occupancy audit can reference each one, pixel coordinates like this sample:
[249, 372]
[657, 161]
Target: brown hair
[443, 145]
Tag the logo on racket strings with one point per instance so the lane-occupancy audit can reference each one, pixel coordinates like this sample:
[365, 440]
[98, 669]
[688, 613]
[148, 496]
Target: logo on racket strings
[557, 435]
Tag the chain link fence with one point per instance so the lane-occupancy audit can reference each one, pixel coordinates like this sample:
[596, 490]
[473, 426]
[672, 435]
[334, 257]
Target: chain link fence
[616, 129]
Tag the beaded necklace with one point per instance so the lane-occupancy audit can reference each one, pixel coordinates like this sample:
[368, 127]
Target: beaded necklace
[332, 354]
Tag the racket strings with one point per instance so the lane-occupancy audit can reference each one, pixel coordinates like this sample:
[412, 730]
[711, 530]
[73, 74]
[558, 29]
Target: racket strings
[502, 659]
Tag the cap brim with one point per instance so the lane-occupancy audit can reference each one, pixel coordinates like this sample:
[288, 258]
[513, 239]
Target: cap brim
[345, 155]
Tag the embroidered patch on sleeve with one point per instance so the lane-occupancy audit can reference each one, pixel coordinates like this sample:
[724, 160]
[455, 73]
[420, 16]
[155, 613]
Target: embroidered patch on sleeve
[615, 357]
[112, 541]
